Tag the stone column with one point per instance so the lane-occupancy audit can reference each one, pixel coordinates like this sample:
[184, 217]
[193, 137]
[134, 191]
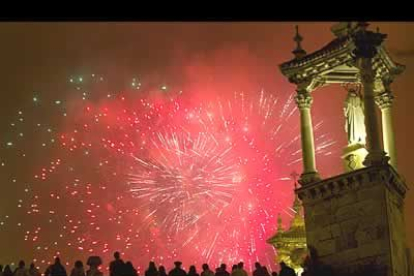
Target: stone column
[304, 101]
[384, 101]
[375, 155]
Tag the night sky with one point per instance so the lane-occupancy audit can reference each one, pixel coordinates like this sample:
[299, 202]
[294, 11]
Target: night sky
[39, 59]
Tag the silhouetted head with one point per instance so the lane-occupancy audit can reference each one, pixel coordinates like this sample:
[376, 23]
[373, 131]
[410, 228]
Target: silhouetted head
[57, 260]
[192, 270]
[205, 266]
[257, 265]
[223, 267]
[117, 255]
[162, 269]
[21, 264]
[282, 264]
[151, 266]
[240, 265]
[32, 266]
[7, 269]
[94, 261]
[178, 264]
[78, 264]
[234, 267]
[274, 273]
[129, 264]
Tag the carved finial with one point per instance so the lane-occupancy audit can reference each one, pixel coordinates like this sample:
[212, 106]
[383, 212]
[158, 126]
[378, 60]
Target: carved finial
[298, 52]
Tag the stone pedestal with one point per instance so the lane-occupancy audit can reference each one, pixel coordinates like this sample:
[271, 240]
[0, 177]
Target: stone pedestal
[355, 221]
[353, 157]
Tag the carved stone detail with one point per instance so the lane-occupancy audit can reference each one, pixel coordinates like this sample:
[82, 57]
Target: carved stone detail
[366, 43]
[384, 100]
[369, 176]
[303, 100]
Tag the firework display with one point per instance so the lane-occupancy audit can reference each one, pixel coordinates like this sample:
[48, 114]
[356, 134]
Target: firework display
[154, 174]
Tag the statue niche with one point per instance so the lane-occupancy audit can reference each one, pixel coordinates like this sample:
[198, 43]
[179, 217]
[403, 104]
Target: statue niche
[355, 152]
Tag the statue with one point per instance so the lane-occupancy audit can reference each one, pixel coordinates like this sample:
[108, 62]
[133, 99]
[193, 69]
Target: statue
[354, 114]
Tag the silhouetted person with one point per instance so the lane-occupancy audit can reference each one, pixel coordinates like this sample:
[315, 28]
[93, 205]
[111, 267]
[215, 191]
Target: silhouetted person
[222, 271]
[234, 270]
[56, 269]
[21, 270]
[162, 271]
[193, 271]
[286, 270]
[152, 270]
[7, 271]
[33, 271]
[240, 270]
[116, 267]
[94, 262]
[206, 271]
[266, 272]
[177, 270]
[78, 269]
[258, 270]
[130, 270]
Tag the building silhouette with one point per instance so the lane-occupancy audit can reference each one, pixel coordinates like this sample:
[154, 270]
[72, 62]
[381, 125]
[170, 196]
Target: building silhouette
[290, 244]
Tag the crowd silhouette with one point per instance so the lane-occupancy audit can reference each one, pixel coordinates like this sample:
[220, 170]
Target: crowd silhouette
[118, 267]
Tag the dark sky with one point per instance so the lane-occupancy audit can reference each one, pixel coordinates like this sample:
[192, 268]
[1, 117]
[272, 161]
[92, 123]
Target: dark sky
[41, 56]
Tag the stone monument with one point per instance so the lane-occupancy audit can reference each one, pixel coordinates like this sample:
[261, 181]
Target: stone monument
[354, 220]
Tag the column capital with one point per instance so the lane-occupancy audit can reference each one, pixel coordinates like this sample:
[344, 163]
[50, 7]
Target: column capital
[303, 100]
[384, 100]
